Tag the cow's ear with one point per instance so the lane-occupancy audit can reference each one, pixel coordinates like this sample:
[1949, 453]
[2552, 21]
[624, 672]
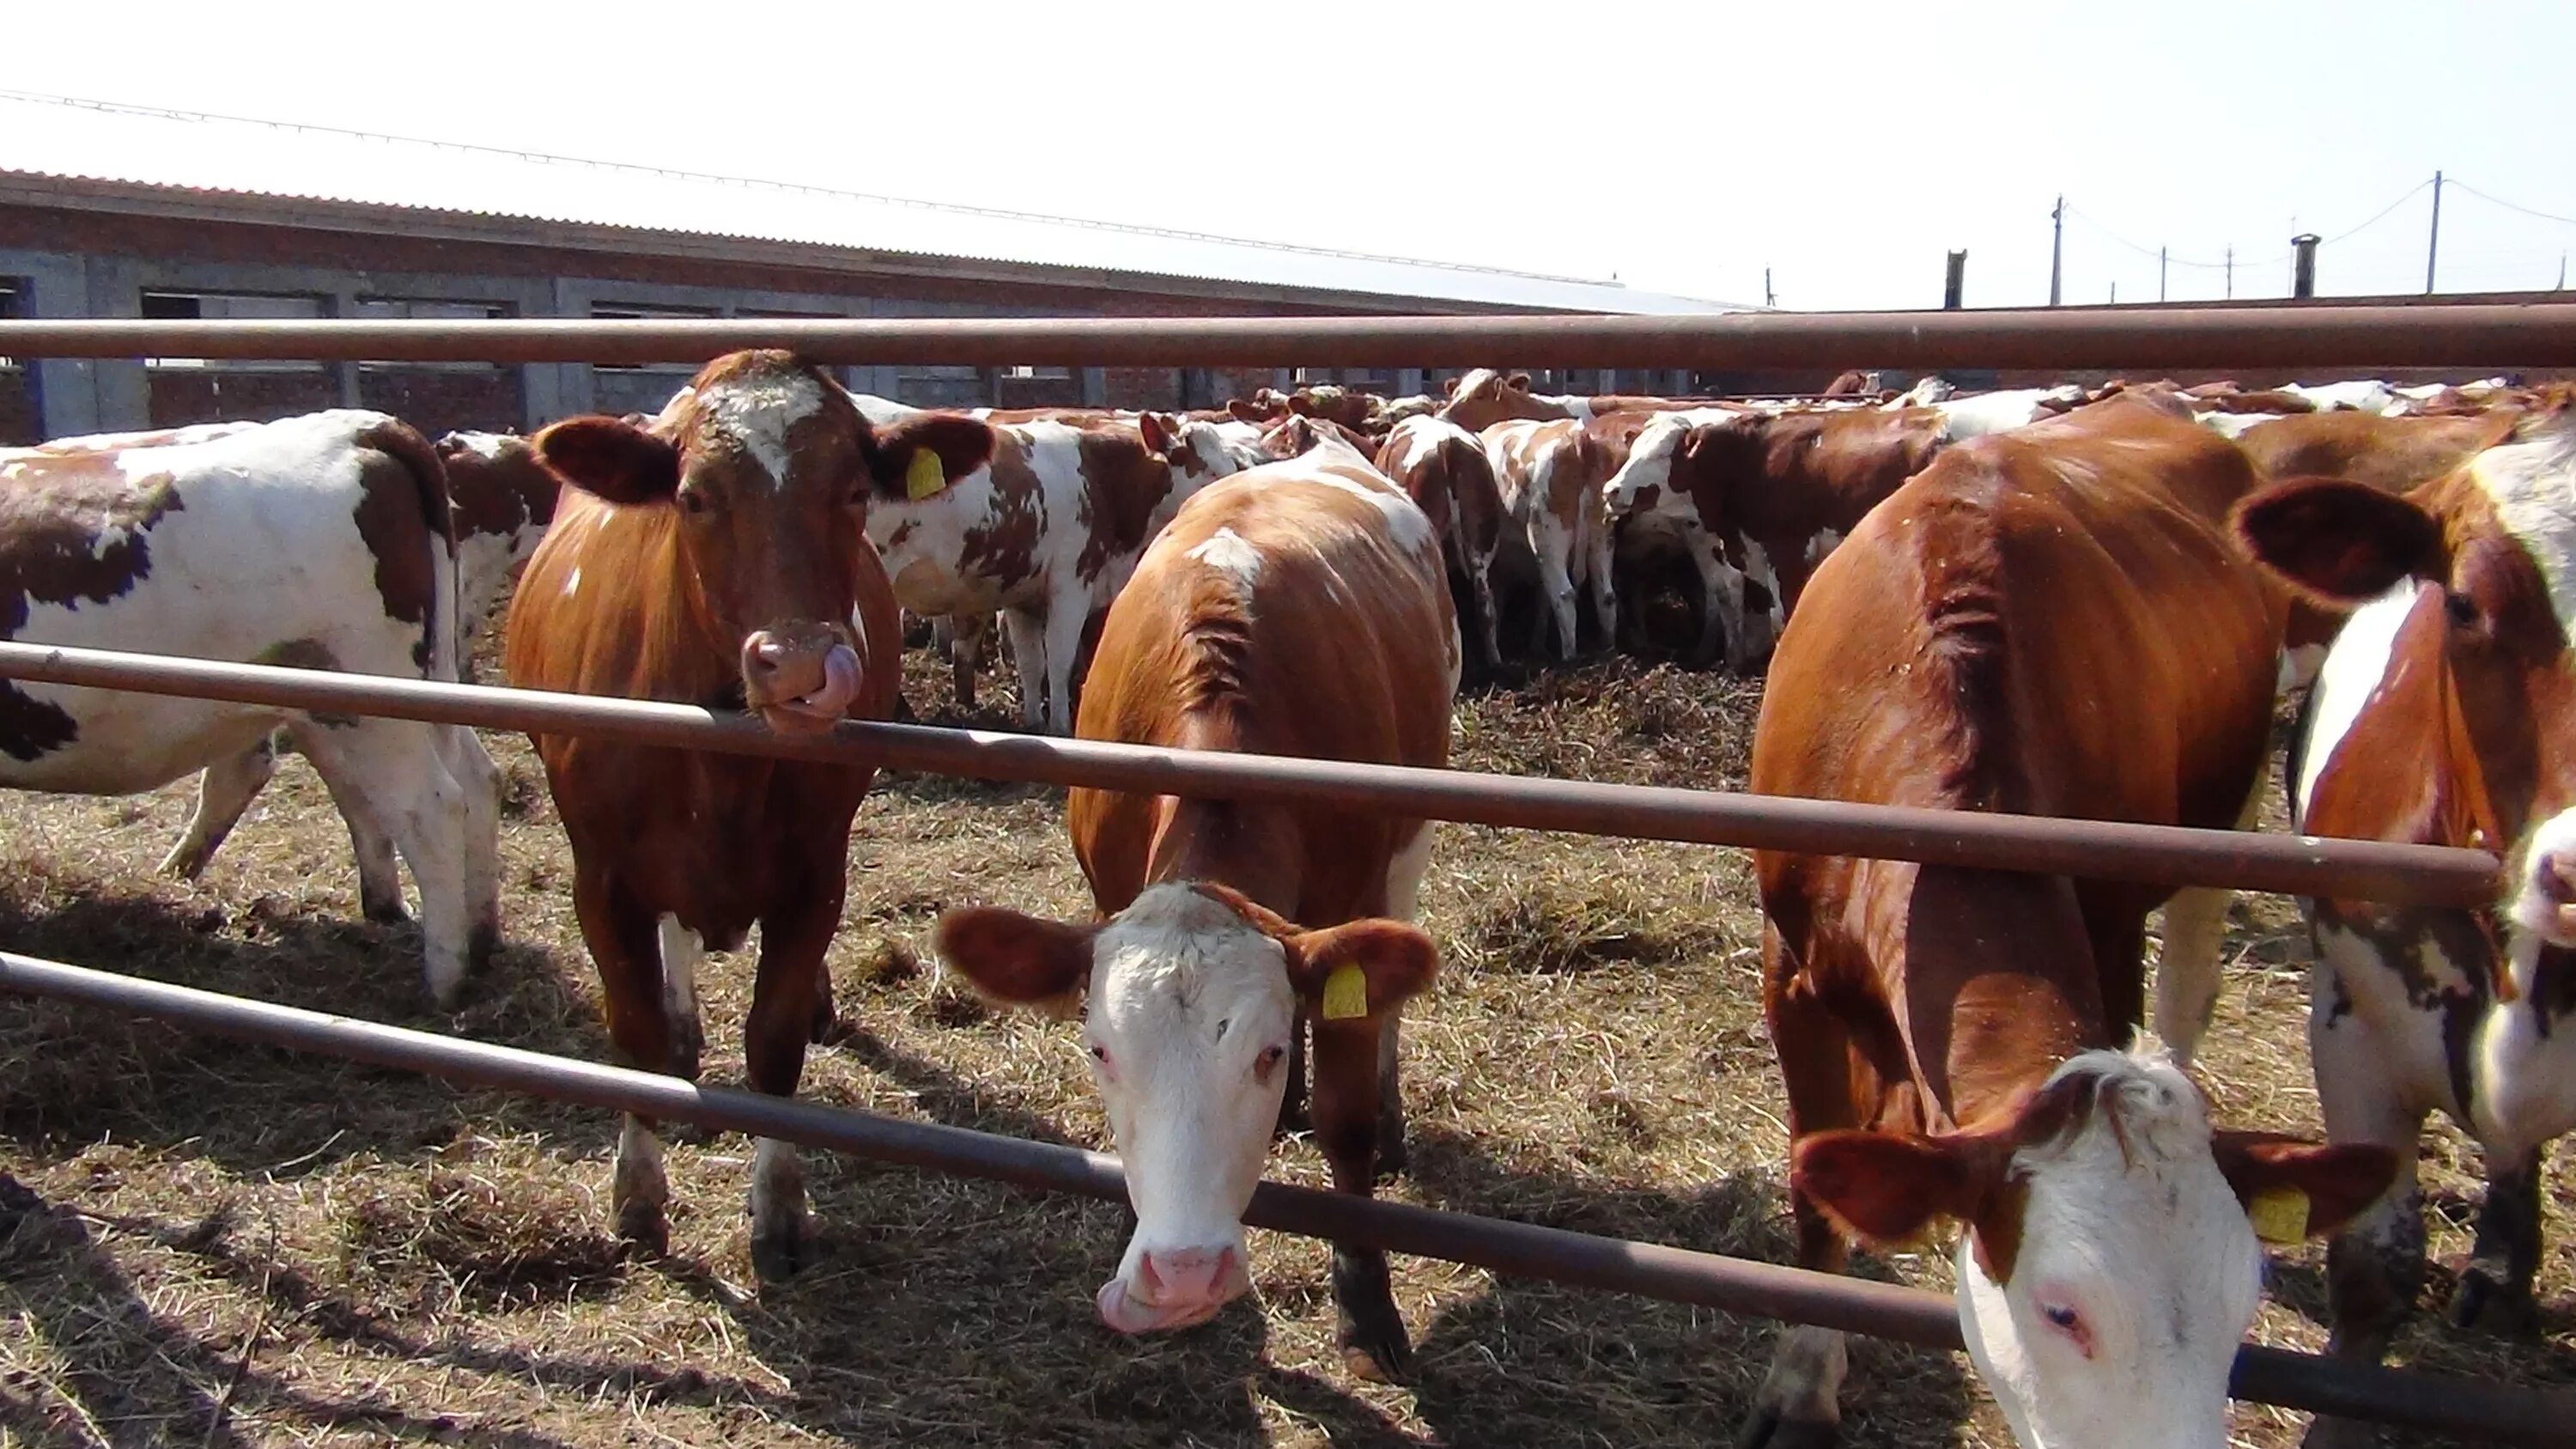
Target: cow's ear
[610, 458]
[1022, 960]
[1888, 1187]
[1161, 433]
[1448, 387]
[2342, 543]
[920, 456]
[1518, 382]
[2294, 1189]
[1360, 968]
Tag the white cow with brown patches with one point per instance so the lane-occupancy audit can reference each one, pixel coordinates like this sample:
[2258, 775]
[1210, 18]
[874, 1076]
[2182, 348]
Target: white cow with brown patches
[1298, 609]
[501, 501]
[1045, 532]
[322, 542]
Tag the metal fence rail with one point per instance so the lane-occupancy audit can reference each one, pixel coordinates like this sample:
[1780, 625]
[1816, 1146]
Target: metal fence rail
[2099, 849]
[2503, 1413]
[2304, 335]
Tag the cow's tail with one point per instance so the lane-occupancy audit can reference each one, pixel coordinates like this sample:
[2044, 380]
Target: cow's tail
[402, 443]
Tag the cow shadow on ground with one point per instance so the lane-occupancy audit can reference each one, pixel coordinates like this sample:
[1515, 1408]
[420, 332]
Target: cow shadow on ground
[1546, 1354]
[73, 1074]
[126, 1371]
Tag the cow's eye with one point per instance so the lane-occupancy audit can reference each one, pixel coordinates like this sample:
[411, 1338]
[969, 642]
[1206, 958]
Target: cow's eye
[2462, 609]
[1267, 1064]
[692, 501]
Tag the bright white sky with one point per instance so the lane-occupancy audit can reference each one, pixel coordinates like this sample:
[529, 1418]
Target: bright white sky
[1685, 148]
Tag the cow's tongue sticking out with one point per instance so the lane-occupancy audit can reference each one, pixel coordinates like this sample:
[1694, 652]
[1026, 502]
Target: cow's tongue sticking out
[819, 710]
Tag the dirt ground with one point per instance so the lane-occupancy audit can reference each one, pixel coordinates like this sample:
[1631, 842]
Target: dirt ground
[203, 1243]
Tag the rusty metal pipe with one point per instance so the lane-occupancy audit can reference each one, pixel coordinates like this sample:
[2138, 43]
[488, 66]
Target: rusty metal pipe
[2504, 1413]
[2305, 335]
[2094, 849]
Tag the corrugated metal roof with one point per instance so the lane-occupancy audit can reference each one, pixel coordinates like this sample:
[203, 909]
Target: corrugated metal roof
[58, 136]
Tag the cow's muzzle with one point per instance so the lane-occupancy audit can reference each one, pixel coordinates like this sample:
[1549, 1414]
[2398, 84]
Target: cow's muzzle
[800, 678]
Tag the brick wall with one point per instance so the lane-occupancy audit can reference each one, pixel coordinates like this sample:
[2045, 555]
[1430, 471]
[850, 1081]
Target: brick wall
[182, 395]
[19, 424]
[443, 400]
[1144, 387]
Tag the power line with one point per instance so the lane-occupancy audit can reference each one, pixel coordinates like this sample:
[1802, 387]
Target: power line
[2512, 206]
[2375, 219]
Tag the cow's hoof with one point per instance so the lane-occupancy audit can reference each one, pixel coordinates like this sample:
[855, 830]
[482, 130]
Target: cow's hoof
[1392, 1156]
[1378, 1355]
[1771, 1429]
[641, 1223]
[779, 1256]
[2486, 1302]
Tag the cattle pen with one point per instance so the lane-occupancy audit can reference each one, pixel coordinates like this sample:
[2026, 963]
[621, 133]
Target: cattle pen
[2537, 336]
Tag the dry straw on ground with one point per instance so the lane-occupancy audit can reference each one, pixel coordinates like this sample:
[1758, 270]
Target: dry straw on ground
[203, 1243]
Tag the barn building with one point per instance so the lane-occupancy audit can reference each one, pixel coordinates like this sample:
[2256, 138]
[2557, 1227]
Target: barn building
[118, 211]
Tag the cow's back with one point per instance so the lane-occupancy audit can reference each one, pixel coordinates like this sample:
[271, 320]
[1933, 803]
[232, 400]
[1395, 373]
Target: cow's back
[320, 541]
[1295, 617]
[2052, 620]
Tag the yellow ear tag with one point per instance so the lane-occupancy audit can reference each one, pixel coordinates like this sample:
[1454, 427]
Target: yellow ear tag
[2280, 1216]
[1345, 994]
[925, 477]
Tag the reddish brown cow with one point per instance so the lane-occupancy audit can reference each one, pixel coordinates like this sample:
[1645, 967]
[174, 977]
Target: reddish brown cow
[2052, 622]
[717, 559]
[1296, 609]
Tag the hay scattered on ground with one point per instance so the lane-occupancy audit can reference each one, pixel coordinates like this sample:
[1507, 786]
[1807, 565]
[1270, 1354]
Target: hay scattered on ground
[208, 1243]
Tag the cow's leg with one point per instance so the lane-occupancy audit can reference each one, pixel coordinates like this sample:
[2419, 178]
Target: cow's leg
[2495, 1288]
[1480, 585]
[680, 952]
[2375, 1266]
[1028, 660]
[1403, 902]
[1799, 1405]
[966, 654]
[2195, 928]
[1370, 1332]
[625, 946]
[1721, 587]
[480, 780]
[1599, 546]
[784, 999]
[224, 791]
[394, 774]
[1063, 648]
[1554, 548]
[371, 841]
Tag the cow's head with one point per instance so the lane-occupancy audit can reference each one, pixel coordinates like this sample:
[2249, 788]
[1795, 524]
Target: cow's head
[2457, 661]
[2110, 1264]
[1485, 397]
[766, 470]
[1198, 450]
[1194, 994]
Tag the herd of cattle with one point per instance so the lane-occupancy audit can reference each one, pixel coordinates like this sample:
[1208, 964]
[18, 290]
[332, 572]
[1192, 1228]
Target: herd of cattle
[2057, 602]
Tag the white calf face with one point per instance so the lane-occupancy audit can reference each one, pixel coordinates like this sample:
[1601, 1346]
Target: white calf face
[1188, 1031]
[1645, 482]
[2135, 1280]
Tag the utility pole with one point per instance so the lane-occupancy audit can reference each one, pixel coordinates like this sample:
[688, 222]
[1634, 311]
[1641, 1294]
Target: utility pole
[2115, 294]
[2160, 274]
[2231, 270]
[1768, 296]
[2056, 247]
[2433, 244]
[1954, 282]
[2562, 273]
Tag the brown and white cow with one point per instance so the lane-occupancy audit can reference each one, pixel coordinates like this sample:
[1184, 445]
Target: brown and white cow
[2445, 714]
[1443, 469]
[2053, 622]
[319, 542]
[501, 499]
[1770, 495]
[1297, 609]
[718, 558]
[1044, 531]
[1485, 397]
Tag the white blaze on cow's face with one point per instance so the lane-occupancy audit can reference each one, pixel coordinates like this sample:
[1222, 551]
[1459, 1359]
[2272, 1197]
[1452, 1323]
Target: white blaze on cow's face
[2109, 1270]
[2136, 1278]
[1188, 1032]
[1194, 996]
[1644, 484]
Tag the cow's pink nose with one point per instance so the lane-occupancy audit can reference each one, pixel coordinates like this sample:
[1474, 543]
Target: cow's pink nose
[1185, 1275]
